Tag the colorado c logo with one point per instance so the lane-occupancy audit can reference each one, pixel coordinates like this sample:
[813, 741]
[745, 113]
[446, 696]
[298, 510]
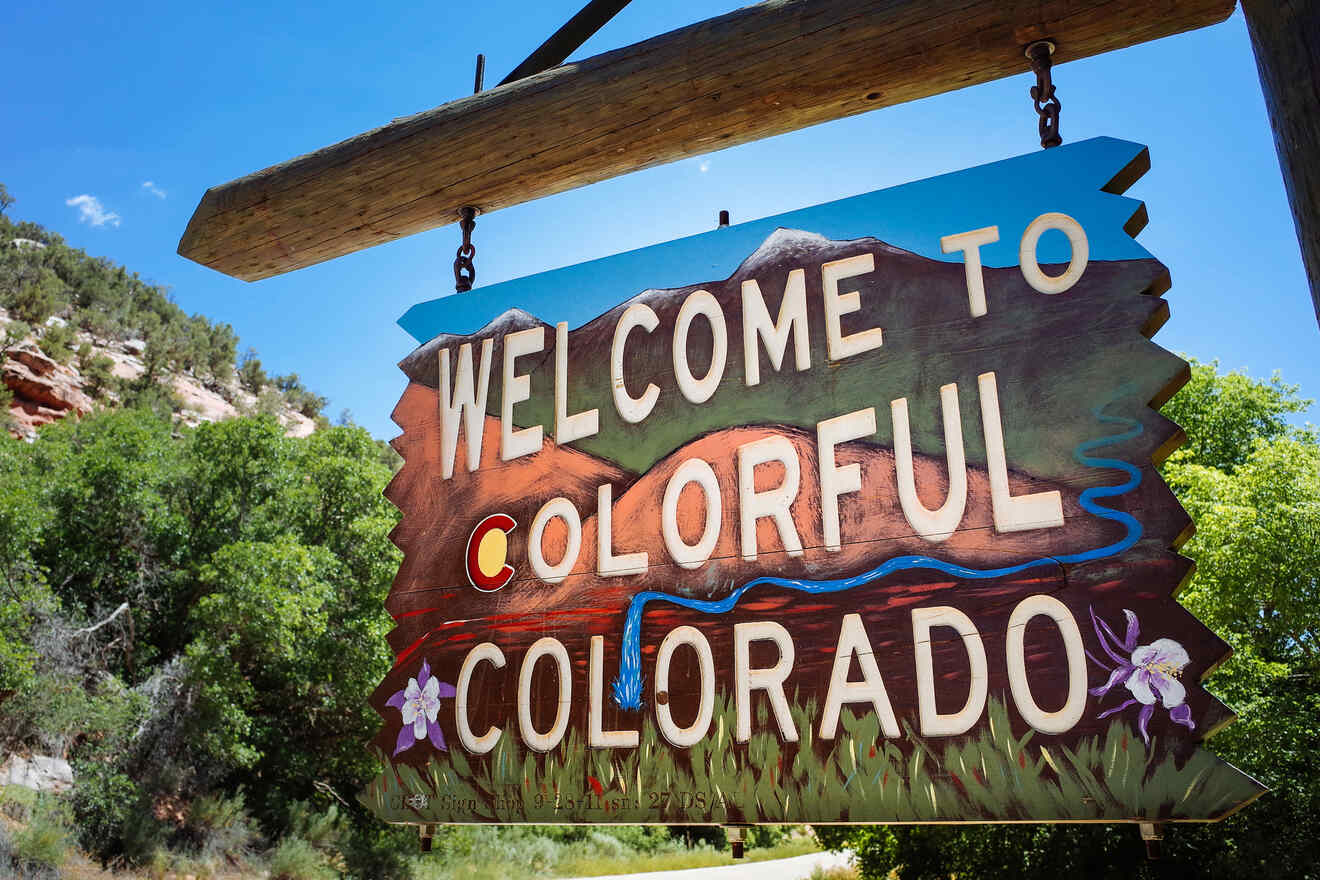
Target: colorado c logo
[487, 550]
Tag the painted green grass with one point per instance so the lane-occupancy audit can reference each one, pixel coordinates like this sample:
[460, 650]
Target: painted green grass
[862, 777]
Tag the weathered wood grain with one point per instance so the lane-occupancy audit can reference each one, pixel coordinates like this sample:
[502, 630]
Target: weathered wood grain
[754, 73]
[1286, 37]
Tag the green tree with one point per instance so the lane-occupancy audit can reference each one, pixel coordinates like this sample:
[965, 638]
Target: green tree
[290, 632]
[96, 370]
[23, 590]
[222, 345]
[255, 567]
[14, 332]
[31, 291]
[112, 534]
[265, 606]
[298, 397]
[1252, 484]
[57, 342]
[250, 373]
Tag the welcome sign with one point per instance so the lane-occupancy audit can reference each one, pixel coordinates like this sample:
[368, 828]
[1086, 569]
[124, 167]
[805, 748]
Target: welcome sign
[849, 514]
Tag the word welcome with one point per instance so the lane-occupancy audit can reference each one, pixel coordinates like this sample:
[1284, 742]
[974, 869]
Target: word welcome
[463, 400]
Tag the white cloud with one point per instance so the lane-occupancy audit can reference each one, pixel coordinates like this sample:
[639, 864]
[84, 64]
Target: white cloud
[90, 210]
[704, 166]
[151, 187]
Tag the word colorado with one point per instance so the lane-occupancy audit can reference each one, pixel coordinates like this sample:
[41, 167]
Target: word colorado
[852, 644]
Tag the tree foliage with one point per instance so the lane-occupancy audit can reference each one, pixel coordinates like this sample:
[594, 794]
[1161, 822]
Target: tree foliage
[254, 567]
[1251, 482]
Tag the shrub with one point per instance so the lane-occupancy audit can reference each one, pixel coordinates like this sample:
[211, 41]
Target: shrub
[835, 872]
[33, 293]
[200, 868]
[269, 403]
[57, 342]
[146, 393]
[96, 370]
[141, 834]
[768, 836]
[373, 851]
[44, 841]
[57, 709]
[646, 839]
[16, 868]
[157, 866]
[298, 397]
[605, 845]
[250, 373]
[296, 859]
[14, 333]
[17, 802]
[322, 830]
[221, 826]
[103, 798]
[165, 865]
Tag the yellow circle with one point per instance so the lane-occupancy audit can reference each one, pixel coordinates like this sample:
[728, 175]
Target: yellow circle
[492, 551]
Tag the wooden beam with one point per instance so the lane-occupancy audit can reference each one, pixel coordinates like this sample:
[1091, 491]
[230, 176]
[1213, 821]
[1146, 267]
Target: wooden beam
[751, 74]
[1285, 35]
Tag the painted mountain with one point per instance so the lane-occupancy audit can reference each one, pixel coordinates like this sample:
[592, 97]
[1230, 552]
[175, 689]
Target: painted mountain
[1078, 385]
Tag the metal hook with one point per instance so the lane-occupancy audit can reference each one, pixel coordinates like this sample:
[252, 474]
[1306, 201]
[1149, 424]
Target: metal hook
[1042, 93]
[465, 273]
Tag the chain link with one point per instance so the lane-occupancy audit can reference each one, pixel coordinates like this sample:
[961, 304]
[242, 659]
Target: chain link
[1042, 93]
[465, 273]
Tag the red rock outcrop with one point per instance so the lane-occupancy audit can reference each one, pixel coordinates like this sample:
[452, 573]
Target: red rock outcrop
[44, 390]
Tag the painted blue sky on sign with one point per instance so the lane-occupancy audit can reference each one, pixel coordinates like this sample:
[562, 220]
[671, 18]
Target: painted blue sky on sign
[912, 216]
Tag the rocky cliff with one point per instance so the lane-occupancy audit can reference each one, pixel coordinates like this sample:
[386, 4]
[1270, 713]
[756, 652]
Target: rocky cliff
[45, 390]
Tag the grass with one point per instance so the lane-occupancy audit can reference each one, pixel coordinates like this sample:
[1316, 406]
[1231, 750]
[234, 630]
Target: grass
[859, 777]
[697, 857]
[513, 853]
[837, 872]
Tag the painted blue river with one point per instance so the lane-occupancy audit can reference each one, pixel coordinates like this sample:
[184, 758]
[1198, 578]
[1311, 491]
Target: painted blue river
[628, 686]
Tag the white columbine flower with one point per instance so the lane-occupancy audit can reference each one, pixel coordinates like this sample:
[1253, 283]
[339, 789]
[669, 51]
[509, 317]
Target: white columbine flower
[1151, 673]
[419, 703]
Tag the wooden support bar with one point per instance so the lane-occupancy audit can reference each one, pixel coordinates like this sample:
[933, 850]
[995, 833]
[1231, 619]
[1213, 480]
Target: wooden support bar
[568, 39]
[1286, 37]
[751, 74]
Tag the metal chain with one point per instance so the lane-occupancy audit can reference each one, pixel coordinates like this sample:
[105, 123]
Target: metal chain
[464, 271]
[1042, 93]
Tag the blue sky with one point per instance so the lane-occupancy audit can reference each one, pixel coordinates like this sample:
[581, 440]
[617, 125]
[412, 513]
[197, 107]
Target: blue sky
[101, 100]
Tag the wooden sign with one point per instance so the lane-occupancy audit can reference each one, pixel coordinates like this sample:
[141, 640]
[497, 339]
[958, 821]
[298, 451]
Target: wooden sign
[849, 514]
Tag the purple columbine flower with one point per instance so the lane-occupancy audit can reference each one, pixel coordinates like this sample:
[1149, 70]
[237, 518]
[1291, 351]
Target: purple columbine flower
[419, 702]
[1150, 673]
